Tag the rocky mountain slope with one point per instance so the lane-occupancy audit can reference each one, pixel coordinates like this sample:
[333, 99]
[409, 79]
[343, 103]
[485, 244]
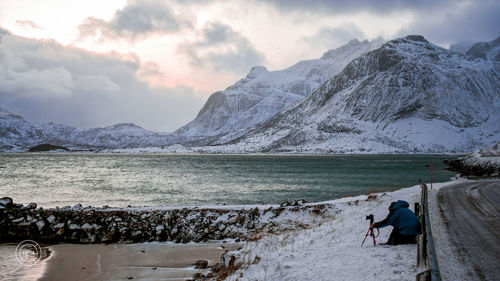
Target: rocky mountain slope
[407, 96]
[18, 134]
[486, 50]
[262, 93]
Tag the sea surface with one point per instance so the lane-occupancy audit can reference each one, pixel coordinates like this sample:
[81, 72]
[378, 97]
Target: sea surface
[119, 180]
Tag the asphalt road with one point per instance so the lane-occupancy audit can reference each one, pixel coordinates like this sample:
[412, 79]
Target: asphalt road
[472, 212]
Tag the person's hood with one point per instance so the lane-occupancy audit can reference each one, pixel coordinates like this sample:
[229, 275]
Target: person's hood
[400, 204]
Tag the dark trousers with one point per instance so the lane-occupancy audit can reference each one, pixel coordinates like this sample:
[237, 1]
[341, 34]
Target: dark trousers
[397, 238]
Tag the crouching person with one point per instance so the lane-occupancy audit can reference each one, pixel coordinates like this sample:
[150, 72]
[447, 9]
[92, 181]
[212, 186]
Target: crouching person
[406, 224]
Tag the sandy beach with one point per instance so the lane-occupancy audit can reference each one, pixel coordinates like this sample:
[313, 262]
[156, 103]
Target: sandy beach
[147, 261]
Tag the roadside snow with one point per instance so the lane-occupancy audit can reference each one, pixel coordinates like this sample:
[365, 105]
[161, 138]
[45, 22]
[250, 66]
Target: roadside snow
[332, 249]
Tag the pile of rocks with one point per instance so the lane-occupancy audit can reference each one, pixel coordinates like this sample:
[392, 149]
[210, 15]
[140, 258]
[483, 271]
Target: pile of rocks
[132, 225]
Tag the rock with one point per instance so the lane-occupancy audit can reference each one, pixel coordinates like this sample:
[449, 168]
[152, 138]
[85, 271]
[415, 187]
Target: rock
[159, 229]
[216, 267]
[61, 231]
[299, 202]
[286, 203]
[222, 227]
[40, 225]
[87, 227]
[31, 206]
[174, 230]
[77, 206]
[109, 237]
[57, 226]
[201, 264]
[18, 220]
[51, 219]
[74, 226]
[137, 235]
[47, 147]
[6, 202]
[198, 277]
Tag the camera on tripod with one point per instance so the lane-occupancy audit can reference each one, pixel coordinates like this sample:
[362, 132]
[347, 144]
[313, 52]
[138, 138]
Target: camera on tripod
[370, 230]
[370, 217]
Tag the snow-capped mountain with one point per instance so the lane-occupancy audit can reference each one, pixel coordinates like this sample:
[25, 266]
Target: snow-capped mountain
[407, 96]
[18, 134]
[486, 50]
[262, 93]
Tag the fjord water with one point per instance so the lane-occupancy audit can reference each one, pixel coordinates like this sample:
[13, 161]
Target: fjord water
[158, 180]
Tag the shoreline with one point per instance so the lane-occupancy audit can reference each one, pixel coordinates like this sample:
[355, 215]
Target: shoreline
[154, 261]
[197, 153]
[122, 261]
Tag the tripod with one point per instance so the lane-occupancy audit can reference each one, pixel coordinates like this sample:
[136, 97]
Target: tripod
[370, 231]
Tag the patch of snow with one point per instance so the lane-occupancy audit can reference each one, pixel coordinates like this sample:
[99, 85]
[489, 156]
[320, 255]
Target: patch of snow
[332, 249]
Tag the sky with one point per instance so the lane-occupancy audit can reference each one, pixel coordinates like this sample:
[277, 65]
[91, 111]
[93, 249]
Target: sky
[154, 63]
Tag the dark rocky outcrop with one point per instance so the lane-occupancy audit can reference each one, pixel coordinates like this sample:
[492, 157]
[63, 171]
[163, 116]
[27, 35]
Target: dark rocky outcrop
[465, 169]
[47, 147]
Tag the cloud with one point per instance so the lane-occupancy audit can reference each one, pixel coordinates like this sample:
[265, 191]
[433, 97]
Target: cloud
[222, 49]
[27, 24]
[470, 22]
[356, 6]
[45, 81]
[327, 38]
[136, 19]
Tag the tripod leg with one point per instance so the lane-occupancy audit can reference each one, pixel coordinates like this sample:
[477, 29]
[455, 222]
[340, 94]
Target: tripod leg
[365, 237]
[374, 243]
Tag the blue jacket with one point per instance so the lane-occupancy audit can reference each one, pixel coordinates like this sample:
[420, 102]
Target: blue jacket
[402, 218]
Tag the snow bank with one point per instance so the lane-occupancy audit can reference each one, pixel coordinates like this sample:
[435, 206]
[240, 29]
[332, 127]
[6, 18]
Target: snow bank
[332, 249]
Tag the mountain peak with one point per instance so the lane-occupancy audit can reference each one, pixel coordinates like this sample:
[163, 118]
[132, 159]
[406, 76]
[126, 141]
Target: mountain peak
[486, 50]
[257, 71]
[125, 125]
[416, 38]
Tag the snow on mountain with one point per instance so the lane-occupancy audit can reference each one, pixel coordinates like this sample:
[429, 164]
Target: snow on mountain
[486, 50]
[262, 93]
[461, 47]
[18, 134]
[407, 96]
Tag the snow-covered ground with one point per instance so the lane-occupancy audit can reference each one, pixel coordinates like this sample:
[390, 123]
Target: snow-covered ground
[485, 157]
[332, 250]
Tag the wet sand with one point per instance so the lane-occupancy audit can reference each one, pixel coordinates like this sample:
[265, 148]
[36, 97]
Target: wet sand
[154, 261]
[11, 269]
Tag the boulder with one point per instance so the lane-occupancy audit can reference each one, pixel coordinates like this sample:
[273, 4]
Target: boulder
[77, 206]
[6, 202]
[31, 206]
[201, 264]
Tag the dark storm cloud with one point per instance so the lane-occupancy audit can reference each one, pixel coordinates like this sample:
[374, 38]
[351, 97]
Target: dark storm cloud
[45, 81]
[222, 49]
[441, 21]
[136, 19]
[479, 21]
